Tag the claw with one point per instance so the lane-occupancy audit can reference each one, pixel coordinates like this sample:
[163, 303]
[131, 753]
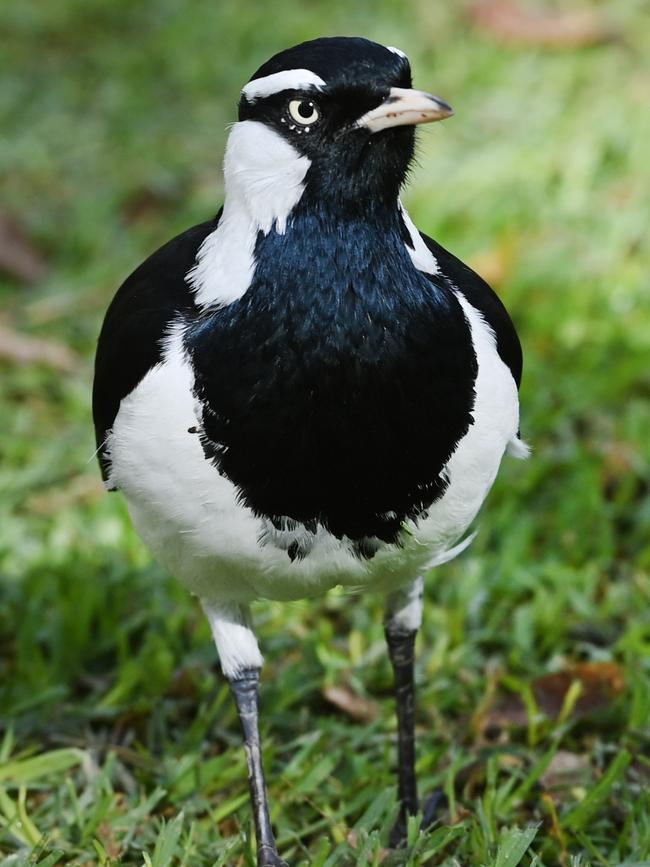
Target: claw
[430, 809]
[267, 857]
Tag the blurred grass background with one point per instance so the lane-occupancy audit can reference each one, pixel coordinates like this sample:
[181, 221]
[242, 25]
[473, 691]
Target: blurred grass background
[534, 660]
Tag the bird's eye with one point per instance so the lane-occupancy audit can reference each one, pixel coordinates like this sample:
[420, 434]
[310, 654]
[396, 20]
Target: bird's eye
[303, 111]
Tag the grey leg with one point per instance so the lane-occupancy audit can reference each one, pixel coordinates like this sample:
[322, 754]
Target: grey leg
[245, 689]
[241, 662]
[402, 621]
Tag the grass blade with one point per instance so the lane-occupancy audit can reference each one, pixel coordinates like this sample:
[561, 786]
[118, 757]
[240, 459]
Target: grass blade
[577, 818]
[514, 845]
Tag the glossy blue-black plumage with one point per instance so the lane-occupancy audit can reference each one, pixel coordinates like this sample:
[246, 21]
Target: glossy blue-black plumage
[337, 387]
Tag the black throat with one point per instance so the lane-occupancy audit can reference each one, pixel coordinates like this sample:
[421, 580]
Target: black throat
[336, 389]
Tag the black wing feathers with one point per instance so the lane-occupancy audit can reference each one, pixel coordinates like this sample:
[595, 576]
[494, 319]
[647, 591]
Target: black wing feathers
[129, 343]
[481, 296]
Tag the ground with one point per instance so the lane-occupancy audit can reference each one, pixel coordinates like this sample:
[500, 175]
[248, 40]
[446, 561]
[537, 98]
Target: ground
[120, 740]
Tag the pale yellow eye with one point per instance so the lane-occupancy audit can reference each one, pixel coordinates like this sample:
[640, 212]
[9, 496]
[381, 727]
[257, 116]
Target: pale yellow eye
[303, 111]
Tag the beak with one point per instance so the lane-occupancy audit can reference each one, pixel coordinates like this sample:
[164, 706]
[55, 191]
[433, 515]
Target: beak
[405, 107]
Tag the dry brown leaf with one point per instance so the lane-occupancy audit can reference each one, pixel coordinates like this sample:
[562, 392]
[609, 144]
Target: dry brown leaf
[509, 712]
[600, 684]
[20, 348]
[352, 704]
[353, 843]
[565, 769]
[512, 23]
[19, 257]
[108, 838]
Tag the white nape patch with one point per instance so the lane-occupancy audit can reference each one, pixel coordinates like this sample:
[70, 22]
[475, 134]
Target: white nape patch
[420, 254]
[236, 642]
[288, 79]
[404, 607]
[397, 51]
[263, 177]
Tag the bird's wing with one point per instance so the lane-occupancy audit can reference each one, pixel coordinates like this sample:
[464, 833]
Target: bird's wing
[136, 321]
[481, 296]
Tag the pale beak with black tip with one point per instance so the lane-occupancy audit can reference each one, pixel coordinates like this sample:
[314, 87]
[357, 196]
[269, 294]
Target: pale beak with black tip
[405, 107]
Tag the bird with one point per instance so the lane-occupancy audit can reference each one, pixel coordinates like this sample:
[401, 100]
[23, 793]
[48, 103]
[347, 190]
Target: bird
[306, 391]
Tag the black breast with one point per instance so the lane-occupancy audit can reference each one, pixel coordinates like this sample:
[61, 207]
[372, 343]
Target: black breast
[335, 390]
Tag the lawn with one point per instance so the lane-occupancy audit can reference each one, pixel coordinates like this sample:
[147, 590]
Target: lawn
[119, 743]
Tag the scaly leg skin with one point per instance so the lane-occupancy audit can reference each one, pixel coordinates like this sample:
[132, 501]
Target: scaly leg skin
[241, 662]
[245, 689]
[402, 622]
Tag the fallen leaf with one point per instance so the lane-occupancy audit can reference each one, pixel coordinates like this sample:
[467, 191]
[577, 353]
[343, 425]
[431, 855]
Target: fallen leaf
[515, 24]
[353, 843]
[599, 683]
[508, 712]
[20, 348]
[352, 704]
[107, 836]
[19, 257]
[565, 769]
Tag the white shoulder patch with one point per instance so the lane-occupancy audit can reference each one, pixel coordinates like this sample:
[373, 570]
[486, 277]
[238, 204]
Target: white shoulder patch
[288, 79]
[264, 177]
[420, 254]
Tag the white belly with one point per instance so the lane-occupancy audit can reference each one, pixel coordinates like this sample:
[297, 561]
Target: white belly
[194, 523]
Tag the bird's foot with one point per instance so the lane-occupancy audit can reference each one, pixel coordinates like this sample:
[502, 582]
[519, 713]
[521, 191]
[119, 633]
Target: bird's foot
[267, 857]
[430, 809]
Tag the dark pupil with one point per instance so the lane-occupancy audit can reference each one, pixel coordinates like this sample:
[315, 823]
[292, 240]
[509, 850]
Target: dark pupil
[305, 109]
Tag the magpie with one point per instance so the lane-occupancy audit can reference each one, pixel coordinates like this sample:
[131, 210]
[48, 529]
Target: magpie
[306, 391]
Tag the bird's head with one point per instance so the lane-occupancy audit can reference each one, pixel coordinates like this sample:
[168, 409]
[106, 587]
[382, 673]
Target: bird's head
[330, 120]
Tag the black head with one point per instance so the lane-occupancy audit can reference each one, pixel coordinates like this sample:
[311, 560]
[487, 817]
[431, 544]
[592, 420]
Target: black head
[346, 104]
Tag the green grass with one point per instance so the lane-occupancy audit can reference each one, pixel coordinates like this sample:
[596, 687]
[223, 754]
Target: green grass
[120, 741]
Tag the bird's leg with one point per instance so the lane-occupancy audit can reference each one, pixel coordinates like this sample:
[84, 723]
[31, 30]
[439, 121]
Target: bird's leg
[401, 623]
[241, 662]
[245, 689]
